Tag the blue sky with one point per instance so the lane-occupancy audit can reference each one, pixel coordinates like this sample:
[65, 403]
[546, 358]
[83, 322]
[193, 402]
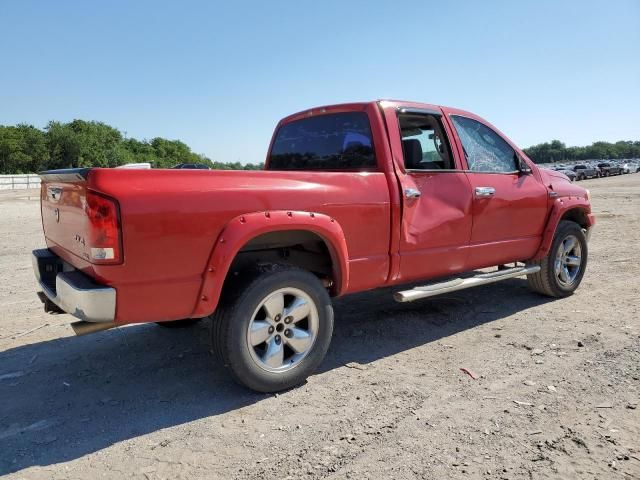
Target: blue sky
[219, 75]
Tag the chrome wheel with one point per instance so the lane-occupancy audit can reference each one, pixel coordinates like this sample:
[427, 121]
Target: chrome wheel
[568, 261]
[282, 330]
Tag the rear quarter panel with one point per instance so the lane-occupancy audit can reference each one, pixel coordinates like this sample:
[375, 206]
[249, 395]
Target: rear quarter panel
[172, 218]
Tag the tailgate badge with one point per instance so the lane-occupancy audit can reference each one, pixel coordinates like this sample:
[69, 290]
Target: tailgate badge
[57, 212]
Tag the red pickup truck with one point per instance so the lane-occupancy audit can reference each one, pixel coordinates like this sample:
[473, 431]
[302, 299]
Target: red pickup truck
[353, 197]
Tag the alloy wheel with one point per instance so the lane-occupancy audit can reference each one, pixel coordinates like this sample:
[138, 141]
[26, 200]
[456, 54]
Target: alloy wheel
[568, 261]
[282, 330]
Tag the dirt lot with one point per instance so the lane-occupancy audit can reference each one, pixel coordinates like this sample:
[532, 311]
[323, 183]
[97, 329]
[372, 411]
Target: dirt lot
[557, 395]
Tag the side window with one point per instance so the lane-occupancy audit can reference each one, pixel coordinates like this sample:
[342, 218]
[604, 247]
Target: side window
[338, 141]
[424, 143]
[484, 149]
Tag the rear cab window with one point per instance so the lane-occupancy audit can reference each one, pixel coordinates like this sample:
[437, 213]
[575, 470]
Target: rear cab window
[336, 141]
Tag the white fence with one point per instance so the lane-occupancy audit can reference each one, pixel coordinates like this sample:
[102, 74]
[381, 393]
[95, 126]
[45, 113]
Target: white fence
[19, 182]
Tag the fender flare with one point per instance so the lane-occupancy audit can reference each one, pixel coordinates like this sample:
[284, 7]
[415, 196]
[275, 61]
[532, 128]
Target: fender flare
[243, 228]
[560, 207]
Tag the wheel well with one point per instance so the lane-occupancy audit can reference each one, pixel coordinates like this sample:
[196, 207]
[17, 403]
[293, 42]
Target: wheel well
[299, 248]
[577, 215]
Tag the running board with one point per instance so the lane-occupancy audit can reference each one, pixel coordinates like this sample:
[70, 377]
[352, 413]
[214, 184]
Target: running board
[461, 283]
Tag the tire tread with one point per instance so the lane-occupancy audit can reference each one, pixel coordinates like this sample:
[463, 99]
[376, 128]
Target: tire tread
[234, 295]
[543, 281]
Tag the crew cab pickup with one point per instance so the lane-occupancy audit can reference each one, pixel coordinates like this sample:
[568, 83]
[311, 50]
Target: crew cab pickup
[353, 197]
[608, 169]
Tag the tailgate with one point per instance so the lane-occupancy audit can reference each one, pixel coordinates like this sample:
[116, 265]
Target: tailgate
[63, 196]
[79, 223]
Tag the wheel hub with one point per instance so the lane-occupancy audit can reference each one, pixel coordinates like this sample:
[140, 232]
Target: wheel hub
[282, 330]
[568, 261]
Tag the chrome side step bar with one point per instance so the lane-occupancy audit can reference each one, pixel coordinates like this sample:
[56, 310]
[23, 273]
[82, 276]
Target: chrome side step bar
[461, 283]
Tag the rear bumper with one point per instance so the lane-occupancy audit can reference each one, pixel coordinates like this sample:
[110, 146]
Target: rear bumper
[71, 290]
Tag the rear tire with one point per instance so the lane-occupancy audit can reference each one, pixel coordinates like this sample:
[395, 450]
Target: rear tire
[562, 269]
[273, 327]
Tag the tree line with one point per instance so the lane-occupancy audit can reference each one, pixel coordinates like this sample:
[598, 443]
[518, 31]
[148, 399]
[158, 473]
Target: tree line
[556, 151]
[27, 149]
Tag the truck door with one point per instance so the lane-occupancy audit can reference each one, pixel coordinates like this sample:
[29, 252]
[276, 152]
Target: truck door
[436, 197]
[509, 207]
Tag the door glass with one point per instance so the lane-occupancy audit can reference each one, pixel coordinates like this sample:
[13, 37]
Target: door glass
[424, 143]
[484, 149]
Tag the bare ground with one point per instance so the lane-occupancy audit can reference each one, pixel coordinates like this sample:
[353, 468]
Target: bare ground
[557, 395]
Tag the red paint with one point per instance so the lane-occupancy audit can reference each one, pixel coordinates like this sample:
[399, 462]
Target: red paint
[434, 229]
[182, 228]
[241, 229]
[514, 217]
[436, 243]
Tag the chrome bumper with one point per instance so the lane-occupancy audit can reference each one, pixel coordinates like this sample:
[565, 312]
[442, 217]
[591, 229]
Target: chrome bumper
[71, 290]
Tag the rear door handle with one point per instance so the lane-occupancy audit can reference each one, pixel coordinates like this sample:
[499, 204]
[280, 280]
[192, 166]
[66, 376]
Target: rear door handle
[484, 192]
[411, 193]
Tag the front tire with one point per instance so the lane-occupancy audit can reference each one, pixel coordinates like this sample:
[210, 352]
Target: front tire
[273, 327]
[562, 269]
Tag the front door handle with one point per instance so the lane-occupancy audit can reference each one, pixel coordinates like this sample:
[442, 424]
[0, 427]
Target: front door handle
[484, 192]
[411, 193]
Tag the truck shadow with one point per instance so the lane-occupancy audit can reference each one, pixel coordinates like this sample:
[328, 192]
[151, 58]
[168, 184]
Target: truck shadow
[65, 398]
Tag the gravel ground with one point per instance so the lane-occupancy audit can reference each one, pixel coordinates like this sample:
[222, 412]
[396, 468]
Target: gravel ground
[557, 394]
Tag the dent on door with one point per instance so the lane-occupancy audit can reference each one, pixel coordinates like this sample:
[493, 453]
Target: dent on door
[436, 226]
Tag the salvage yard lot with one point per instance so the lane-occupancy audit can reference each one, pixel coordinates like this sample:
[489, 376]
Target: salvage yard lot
[557, 394]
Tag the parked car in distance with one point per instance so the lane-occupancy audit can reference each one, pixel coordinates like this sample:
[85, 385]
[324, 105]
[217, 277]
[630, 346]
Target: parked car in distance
[607, 169]
[353, 197]
[630, 168]
[596, 168]
[192, 166]
[571, 175]
[585, 171]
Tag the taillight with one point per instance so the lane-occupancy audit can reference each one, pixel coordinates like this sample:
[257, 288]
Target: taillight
[104, 240]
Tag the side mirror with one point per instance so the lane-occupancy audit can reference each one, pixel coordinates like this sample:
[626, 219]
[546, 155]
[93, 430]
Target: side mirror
[523, 167]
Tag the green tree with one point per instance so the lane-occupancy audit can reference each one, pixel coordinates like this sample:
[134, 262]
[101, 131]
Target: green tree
[23, 149]
[80, 143]
[556, 151]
